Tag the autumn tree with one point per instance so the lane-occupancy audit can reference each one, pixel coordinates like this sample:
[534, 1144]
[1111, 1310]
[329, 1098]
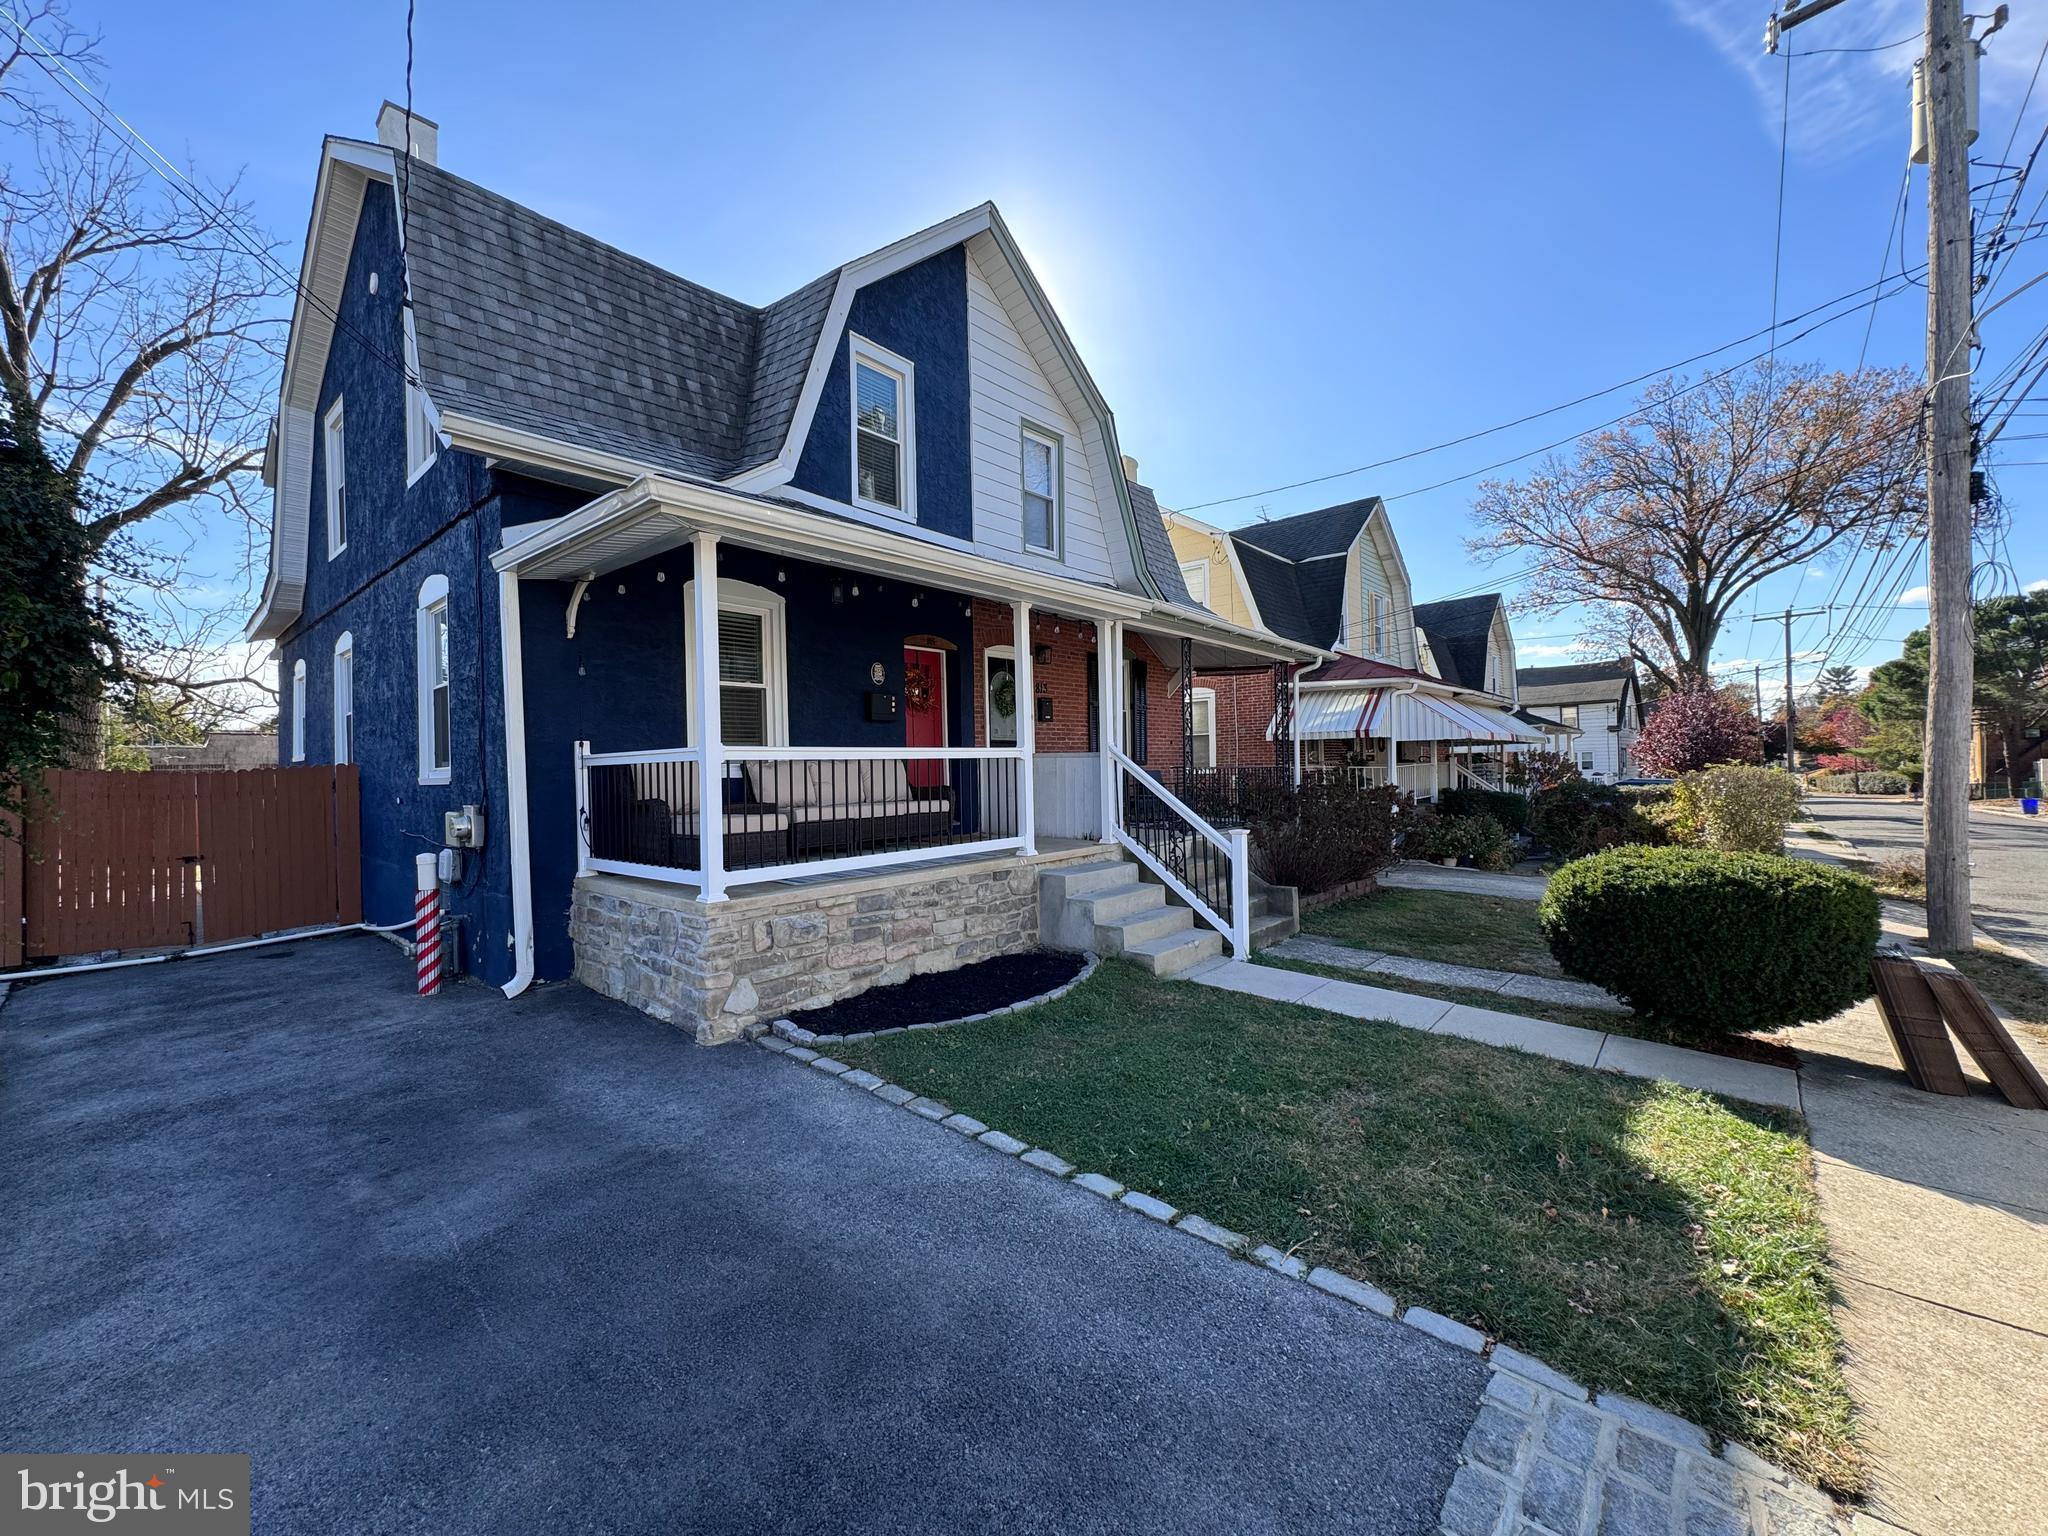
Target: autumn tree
[140, 326]
[1696, 726]
[1665, 522]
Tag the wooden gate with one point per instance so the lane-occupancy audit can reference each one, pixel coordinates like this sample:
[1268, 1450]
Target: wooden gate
[155, 860]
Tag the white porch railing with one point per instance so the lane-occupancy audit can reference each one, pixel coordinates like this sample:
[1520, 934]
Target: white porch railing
[787, 812]
[1208, 869]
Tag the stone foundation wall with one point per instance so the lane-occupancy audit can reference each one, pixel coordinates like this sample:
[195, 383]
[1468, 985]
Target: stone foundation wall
[715, 969]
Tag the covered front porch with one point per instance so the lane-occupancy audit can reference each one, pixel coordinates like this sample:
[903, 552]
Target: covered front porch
[775, 703]
[1419, 737]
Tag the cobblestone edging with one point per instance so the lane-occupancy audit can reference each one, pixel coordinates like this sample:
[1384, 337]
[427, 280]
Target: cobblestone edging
[796, 1034]
[1544, 1457]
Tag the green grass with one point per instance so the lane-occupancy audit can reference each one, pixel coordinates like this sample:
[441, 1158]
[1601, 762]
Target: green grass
[1497, 932]
[1742, 1047]
[1643, 1237]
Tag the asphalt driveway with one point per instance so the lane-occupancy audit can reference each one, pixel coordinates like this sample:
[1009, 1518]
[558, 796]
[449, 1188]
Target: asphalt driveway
[470, 1265]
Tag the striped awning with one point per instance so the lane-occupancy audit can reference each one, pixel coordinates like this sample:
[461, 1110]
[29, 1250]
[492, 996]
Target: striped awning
[1345, 714]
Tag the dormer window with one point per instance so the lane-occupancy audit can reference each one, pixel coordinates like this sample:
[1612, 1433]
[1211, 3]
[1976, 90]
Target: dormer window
[884, 440]
[337, 482]
[1042, 452]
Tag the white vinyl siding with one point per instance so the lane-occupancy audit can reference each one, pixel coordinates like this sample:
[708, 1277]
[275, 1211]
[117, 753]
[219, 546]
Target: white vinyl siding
[1010, 394]
[1600, 751]
[1367, 579]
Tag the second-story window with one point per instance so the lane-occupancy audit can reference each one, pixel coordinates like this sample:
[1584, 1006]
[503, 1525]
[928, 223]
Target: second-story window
[884, 426]
[1196, 574]
[1379, 625]
[1569, 715]
[299, 711]
[1041, 490]
[337, 482]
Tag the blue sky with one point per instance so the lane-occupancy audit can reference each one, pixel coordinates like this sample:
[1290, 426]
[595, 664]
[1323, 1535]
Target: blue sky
[1288, 239]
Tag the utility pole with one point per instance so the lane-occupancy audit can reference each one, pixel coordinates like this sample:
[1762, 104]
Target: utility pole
[1792, 708]
[1946, 74]
[1950, 657]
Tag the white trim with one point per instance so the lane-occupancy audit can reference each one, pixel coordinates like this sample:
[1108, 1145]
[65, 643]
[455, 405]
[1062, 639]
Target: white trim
[432, 599]
[879, 359]
[1027, 726]
[744, 597]
[1056, 445]
[299, 710]
[1207, 696]
[807, 869]
[512, 676]
[988, 705]
[344, 699]
[706, 716]
[1202, 565]
[334, 465]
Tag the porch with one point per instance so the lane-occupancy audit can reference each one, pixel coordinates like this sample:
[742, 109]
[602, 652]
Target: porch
[746, 714]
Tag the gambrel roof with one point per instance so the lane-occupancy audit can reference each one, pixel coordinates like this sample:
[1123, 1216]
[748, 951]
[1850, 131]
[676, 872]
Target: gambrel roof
[1458, 629]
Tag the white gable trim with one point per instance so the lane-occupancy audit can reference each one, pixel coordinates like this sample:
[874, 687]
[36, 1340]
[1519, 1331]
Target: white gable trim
[1222, 537]
[1101, 444]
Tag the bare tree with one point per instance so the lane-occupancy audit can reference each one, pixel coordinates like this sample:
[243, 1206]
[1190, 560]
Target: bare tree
[1664, 522]
[141, 321]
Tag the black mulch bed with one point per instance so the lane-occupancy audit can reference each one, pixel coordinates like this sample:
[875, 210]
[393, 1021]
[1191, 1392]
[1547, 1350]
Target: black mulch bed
[946, 995]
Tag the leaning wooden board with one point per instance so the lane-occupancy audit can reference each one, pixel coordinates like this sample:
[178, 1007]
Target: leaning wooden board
[1908, 1006]
[1985, 1037]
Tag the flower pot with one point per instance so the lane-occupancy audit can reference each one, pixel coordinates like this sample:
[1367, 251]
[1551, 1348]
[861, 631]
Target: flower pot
[1448, 863]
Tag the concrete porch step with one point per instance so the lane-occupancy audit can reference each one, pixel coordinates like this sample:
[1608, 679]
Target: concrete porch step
[1271, 928]
[1120, 935]
[1113, 901]
[1177, 952]
[1078, 879]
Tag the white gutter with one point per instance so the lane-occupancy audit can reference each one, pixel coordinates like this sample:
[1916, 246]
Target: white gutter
[513, 675]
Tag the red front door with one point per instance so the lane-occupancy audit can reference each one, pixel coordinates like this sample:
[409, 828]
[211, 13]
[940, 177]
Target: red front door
[924, 711]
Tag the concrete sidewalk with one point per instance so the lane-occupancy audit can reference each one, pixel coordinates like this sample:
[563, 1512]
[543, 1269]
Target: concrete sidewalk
[1546, 989]
[1755, 1081]
[1937, 1216]
[1414, 875]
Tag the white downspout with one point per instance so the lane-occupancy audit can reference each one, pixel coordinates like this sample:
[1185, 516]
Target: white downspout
[1393, 740]
[513, 678]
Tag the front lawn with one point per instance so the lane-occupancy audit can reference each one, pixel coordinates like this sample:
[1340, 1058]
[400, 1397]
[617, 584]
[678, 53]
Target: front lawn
[1643, 1237]
[1497, 932]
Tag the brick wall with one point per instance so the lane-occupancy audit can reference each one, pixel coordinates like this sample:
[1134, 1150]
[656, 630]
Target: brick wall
[1064, 679]
[1244, 708]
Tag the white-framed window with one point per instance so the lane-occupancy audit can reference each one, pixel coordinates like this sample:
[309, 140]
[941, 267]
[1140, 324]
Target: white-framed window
[1569, 715]
[1379, 625]
[884, 430]
[1205, 727]
[345, 698]
[1044, 455]
[436, 734]
[1585, 762]
[299, 710]
[1196, 574]
[420, 441]
[753, 664]
[335, 443]
[999, 694]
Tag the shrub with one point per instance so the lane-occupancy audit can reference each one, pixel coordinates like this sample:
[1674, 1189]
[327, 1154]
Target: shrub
[1862, 783]
[1331, 831]
[1714, 943]
[1696, 727]
[1481, 839]
[1736, 808]
[1578, 818]
[1504, 806]
[1542, 770]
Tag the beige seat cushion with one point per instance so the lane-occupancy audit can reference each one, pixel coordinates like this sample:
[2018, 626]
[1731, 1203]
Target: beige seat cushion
[783, 783]
[671, 782]
[756, 821]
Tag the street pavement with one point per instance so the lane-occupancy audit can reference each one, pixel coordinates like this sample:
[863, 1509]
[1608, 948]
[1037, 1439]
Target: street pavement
[2008, 858]
[465, 1265]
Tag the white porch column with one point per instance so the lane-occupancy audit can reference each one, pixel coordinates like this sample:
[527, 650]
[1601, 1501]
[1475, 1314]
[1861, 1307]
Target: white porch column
[1027, 730]
[1108, 678]
[1436, 758]
[705, 718]
[1294, 720]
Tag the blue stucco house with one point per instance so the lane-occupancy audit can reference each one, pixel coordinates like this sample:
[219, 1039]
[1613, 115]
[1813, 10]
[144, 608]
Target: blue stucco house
[768, 647]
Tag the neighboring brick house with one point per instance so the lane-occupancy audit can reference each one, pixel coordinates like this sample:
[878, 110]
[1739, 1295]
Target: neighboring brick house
[1423, 695]
[1599, 709]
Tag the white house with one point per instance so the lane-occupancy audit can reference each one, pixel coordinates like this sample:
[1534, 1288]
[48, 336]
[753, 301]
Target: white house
[1599, 700]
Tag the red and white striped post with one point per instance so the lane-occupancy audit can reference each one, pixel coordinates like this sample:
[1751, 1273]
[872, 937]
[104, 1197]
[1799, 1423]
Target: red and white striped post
[426, 932]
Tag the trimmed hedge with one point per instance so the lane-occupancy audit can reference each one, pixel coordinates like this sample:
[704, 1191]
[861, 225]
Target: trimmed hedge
[1874, 782]
[1715, 943]
[1504, 806]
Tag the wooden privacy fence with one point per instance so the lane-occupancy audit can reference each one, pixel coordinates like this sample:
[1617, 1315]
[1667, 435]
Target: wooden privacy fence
[151, 860]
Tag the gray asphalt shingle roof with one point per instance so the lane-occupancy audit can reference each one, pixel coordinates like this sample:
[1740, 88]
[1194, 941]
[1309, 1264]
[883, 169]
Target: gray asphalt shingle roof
[1593, 682]
[1157, 545]
[529, 323]
[1458, 629]
[1289, 564]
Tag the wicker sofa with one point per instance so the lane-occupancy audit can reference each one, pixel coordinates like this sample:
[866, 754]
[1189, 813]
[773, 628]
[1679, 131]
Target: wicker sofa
[838, 807]
[645, 818]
